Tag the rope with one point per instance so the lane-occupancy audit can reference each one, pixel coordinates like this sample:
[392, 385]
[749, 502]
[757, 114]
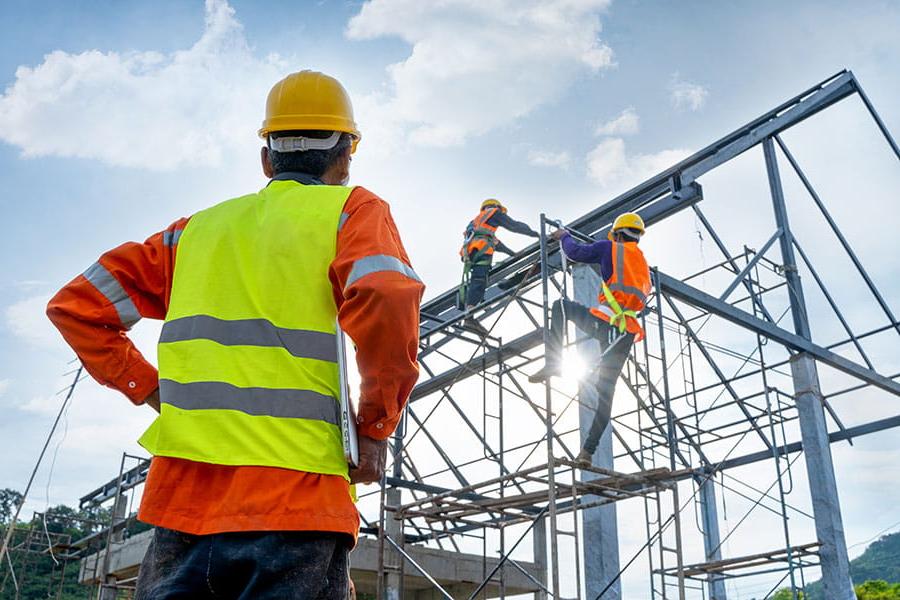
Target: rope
[9, 531]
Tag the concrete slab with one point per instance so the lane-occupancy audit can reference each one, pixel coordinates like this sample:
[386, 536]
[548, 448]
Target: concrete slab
[458, 573]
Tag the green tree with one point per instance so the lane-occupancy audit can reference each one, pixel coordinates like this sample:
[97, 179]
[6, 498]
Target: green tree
[785, 594]
[878, 589]
[881, 560]
[37, 574]
[9, 500]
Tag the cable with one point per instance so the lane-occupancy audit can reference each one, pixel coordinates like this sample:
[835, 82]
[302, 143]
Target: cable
[888, 528]
[4, 549]
[50, 478]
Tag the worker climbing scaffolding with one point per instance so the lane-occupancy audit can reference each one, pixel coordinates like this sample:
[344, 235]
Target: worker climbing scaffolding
[623, 292]
[477, 253]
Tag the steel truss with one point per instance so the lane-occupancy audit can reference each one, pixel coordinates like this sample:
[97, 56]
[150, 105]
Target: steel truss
[697, 409]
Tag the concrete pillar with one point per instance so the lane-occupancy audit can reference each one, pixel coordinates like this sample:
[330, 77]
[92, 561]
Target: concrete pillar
[709, 514]
[600, 536]
[822, 483]
[835, 563]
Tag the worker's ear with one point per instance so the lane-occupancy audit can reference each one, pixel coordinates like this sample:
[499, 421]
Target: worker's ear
[339, 172]
[345, 166]
[266, 160]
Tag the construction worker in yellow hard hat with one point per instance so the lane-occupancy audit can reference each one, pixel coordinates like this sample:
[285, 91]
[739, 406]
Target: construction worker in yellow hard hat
[623, 292]
[249, 487]
[477, 252]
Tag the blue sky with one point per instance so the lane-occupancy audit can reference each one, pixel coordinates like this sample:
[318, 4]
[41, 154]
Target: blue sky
[119, 117]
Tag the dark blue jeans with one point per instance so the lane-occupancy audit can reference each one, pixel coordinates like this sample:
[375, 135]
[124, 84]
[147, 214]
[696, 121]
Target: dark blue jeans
[606, 373]
[244, 566]
[478, 277]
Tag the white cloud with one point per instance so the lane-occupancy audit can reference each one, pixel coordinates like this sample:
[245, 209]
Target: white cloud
[27, 285]
[610, 165]
[687, 95]
[4, 385]
[627, 123]
[143, 109]
[42, 405]
[607, 162]
[476, 66]
[546, 158]
[28, 321]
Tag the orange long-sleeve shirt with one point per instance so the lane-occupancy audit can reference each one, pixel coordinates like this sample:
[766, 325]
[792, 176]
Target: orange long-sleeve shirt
[378, 311]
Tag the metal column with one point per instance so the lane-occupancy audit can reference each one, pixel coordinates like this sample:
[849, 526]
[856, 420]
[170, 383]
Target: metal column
[393, 562]
[711, 540]
[835, 563]
[539, 533]
[601, 537]
[109, 590]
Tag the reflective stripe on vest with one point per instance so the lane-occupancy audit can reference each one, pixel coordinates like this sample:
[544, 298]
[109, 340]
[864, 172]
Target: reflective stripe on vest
[480, 225]
[616, 284]
[625, 293]
[247, 355]
[251, 332]
[482, 238]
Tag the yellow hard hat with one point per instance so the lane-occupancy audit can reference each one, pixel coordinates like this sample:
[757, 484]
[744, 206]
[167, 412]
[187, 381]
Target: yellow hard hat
[627, 221]
[492, 202]
[309, 100]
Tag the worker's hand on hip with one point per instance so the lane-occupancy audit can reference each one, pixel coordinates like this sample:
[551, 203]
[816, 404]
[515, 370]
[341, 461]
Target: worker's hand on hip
[371, 460]
[557, 234]
[153, 400]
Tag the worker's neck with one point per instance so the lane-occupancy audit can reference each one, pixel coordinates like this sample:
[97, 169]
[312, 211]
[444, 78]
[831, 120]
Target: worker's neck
[336, 174]
[329, 178]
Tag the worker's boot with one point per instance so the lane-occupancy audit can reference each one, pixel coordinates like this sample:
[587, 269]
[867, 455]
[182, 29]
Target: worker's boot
[583, 457]
[474, 325]
[550, 369]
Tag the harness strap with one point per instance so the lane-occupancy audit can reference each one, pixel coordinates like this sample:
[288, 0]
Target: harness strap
[619, 319]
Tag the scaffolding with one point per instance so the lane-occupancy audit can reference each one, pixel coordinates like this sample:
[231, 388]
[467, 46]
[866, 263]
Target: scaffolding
[693, 410]
[726, 379]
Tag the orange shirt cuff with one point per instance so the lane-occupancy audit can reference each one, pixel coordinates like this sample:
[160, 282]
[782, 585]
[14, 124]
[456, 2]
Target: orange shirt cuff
[377, 430]
[138, 380]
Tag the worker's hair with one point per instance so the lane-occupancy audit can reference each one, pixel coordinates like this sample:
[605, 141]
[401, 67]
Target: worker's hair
[311, 162]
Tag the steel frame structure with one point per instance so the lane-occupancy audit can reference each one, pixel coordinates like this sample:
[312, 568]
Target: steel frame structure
[27, 544]
[483, 459]
[681, 438]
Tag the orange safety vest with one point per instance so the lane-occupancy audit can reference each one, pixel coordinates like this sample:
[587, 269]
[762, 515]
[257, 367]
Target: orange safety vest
[482, 237]
[623, 295]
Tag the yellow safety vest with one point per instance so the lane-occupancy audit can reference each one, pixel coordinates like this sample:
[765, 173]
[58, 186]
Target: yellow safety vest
[247, 356]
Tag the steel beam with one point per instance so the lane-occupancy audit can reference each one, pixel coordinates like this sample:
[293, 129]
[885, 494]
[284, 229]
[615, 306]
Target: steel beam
[838, 436]
[840, 236]
[674, 185]
[813, 428]
[699, 299]
[477, 364]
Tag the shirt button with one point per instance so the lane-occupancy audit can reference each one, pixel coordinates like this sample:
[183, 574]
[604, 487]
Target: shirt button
[132, 384]
[379, 426]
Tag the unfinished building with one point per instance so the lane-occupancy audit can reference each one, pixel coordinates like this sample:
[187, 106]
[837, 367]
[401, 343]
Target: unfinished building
[739, 378]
